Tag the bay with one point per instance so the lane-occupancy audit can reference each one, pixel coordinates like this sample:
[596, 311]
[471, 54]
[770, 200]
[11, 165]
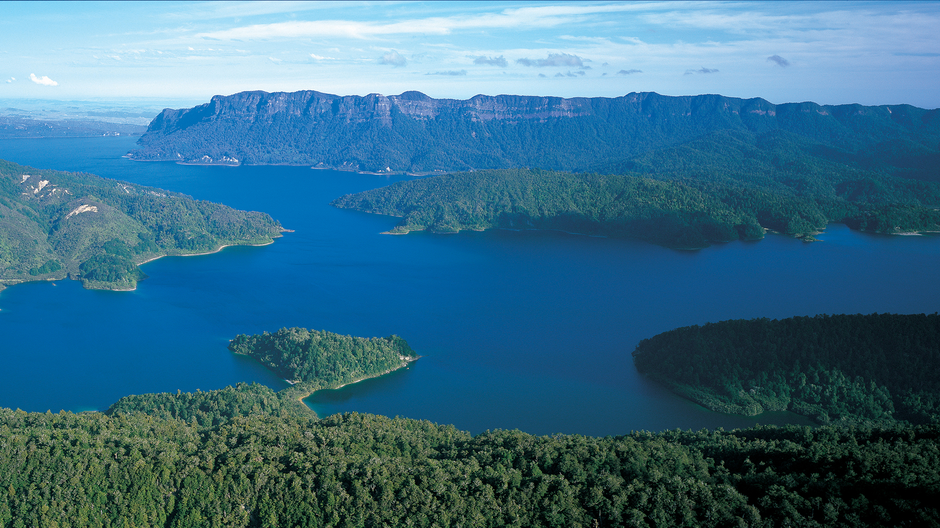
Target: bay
[527, 330]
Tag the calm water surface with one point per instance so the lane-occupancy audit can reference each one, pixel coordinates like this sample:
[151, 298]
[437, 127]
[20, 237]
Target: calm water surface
[527, 330]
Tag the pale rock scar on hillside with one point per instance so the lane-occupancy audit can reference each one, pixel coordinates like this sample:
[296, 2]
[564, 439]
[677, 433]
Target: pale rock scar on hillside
[85, 208]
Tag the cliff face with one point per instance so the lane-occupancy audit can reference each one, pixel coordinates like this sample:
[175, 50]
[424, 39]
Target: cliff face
[413, 132]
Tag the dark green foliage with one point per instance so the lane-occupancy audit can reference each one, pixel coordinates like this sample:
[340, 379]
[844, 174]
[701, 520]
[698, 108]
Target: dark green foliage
[54, 224]
[111, 269]
[135, 469]
[50, 266]
[209, 408]
[875, 368]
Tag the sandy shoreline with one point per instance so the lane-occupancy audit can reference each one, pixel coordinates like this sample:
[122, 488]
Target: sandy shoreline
[220, 248]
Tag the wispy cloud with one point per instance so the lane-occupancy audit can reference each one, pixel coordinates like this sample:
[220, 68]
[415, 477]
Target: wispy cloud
[514, 19]
[393, 58]
[701, 70]
[11, 79]
[554, 59]
[44, 81]
[491, 61]
[449, 72]
[780, 61]
[629, 72]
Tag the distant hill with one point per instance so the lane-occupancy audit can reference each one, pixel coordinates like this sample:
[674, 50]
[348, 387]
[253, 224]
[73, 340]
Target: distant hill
[57, 224]
[413, 132]
[28, 127]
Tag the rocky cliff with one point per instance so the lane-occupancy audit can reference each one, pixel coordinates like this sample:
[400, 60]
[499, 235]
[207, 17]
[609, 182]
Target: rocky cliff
[413, 132]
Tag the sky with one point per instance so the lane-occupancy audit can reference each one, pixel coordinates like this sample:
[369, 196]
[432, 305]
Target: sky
[184, 53]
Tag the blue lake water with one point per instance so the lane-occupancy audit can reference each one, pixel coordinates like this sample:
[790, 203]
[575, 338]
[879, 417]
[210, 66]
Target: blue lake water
[519, 330]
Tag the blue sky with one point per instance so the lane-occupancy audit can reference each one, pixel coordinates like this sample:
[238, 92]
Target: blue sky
[831, 53]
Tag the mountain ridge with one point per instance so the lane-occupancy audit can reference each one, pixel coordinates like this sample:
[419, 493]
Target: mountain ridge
[413, 132]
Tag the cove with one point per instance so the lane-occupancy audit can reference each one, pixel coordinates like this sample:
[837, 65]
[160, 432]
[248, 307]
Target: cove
[518, 330]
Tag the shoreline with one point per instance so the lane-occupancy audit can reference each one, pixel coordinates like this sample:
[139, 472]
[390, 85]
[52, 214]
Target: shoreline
[220, 248]
[405, 363]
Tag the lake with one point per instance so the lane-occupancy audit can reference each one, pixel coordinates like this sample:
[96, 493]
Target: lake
[518, 330]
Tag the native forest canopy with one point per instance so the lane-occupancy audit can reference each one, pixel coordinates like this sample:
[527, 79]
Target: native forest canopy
[850, 369]
[94, 469]
[56, 224]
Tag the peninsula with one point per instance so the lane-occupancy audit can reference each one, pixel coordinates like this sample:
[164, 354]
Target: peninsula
[877, 369]
[56, 225]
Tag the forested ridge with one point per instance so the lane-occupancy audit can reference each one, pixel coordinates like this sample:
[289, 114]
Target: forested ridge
[134, 469]
[850, 369]
[56, 224]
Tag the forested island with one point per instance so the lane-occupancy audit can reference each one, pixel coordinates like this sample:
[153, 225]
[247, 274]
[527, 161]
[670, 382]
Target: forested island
[56, 224]
[310, 360]
[877, 369]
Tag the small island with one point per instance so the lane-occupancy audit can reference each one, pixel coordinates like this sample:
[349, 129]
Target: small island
[878, 369]
[311, 360]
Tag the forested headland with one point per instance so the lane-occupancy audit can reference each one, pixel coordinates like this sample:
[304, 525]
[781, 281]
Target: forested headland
[686, 207]
[846, 369]
[57, 224]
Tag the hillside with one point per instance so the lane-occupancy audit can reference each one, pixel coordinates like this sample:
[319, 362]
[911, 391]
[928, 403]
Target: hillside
[850, 369]
[57, 224]
[413, 132]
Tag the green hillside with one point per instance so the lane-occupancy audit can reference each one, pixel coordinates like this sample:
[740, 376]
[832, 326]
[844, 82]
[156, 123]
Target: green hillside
[57, 224]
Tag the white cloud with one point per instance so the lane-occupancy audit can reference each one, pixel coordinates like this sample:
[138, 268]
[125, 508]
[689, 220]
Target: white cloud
[11, 79]
[44, 81]
[393, 58]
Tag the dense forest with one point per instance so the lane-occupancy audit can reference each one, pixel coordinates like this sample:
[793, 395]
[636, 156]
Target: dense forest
[56, 224]
[849, 369]
[137, 469]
